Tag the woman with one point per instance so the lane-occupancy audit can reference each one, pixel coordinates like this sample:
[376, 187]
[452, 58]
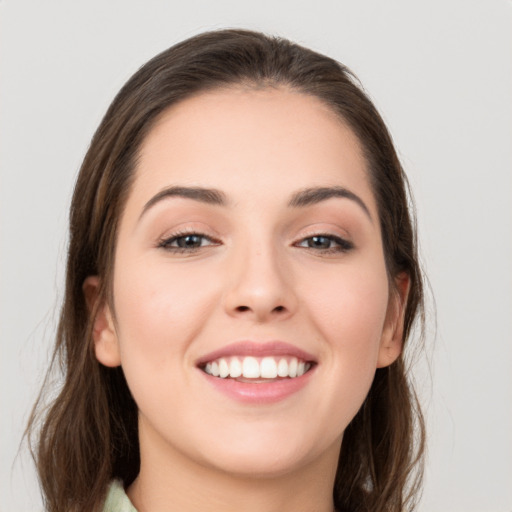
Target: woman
[242, 278]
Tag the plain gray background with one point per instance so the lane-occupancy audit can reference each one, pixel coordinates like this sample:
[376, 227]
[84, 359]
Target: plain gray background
[441, 74]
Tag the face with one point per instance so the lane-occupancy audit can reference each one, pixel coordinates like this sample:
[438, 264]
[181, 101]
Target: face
[250, 296]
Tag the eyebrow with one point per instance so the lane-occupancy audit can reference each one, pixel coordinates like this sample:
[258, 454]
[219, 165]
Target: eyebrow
[300, 199]
[315, 195]
[203, 195]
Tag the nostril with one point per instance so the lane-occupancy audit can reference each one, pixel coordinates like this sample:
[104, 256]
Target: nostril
[257, 311]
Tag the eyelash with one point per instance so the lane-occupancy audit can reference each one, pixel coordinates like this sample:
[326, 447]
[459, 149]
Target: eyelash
[340, 245]
[167, 242]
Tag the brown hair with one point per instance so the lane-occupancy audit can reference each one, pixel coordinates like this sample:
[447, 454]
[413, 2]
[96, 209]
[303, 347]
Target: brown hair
[88, 435]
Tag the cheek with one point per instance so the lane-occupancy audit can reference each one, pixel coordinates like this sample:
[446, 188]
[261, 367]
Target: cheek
[158, 313]
[350, 312]
[352, 300]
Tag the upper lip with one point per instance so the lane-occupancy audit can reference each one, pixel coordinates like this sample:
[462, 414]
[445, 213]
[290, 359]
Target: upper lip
[257, 349]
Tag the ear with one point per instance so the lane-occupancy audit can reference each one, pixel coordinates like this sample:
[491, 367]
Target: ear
[106, 345]
[392, 335]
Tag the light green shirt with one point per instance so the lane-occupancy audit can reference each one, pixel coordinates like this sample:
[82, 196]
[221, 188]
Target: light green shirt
[117, 500]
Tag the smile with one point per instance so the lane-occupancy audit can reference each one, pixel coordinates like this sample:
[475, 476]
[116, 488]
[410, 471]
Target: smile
[258, 372]
[257, 368]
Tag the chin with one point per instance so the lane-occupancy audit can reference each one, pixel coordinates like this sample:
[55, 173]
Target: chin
[268, 464]
[269, 453]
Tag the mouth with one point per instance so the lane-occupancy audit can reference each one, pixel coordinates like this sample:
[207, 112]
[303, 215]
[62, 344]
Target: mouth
[253, 369]
[258, 372]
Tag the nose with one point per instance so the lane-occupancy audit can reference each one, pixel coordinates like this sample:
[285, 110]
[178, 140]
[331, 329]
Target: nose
[260, 286]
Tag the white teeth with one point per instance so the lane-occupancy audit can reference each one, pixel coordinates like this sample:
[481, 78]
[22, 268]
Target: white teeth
[292, 367]
[235, 368]
[250, 368]
[255, 368]
[268, 368]
[223, 368]
[282, 368]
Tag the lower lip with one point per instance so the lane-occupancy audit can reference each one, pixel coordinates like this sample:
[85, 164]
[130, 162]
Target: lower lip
[259, 392]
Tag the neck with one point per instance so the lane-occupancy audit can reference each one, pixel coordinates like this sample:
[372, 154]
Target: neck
[170, 481]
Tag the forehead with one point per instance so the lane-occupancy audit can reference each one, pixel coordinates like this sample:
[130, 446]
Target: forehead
[243, 140]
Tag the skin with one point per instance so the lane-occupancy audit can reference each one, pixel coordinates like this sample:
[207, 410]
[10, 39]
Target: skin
[255, 277]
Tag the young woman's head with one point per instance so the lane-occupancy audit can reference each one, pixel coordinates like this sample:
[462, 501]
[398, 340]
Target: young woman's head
[242, 278]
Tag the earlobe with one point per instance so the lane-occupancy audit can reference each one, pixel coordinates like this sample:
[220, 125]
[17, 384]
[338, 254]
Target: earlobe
[106, 345]
[392, 334]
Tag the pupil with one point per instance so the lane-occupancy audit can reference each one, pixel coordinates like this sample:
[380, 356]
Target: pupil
[320, 241]
[189, 241]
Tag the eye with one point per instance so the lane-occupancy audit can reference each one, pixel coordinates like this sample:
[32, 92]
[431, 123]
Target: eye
[326, 243]
[186, 242]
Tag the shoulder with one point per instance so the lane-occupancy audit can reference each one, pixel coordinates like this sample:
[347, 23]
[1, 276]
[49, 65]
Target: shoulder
[117, 500]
